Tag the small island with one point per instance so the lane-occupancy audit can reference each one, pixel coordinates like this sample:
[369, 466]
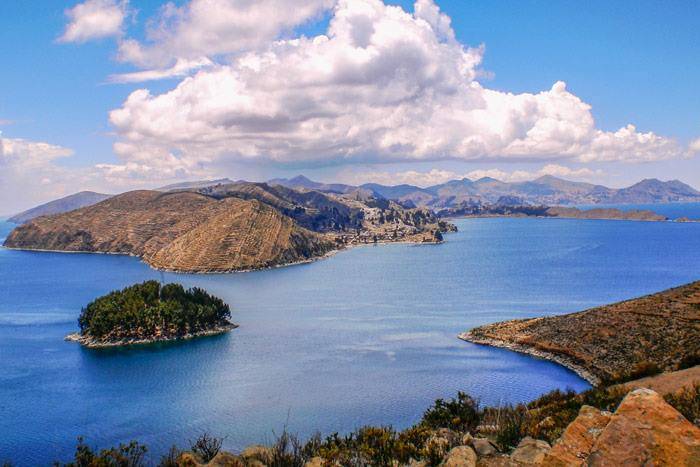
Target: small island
[150, 312]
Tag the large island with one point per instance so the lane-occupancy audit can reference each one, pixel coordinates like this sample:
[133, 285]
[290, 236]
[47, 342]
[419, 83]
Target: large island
[148, 312]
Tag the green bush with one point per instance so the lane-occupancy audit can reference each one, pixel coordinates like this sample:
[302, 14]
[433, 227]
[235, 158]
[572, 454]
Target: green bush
[461, 414]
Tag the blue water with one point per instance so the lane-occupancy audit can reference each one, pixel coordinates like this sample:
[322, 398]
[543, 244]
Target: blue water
[365, 337]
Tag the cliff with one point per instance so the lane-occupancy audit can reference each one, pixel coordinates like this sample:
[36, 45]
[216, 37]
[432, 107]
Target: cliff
[611, 342]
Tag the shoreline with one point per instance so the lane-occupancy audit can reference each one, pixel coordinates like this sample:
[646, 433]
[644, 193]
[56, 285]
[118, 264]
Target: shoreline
[533, 352]
[91, 343]
[230, 271]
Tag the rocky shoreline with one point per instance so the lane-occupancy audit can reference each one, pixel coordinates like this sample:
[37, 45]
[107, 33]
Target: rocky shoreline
[92, 343]
[532, 351]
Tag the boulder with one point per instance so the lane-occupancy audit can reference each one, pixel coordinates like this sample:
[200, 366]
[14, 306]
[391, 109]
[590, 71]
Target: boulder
[578, 439]
[645, 430]
[483, 447]
[461, 456]
[530, 451]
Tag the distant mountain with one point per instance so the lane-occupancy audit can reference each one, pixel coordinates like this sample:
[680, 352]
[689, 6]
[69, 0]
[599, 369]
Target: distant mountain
[69, 203]
[195, 184]
[301, 182]
[545, 190]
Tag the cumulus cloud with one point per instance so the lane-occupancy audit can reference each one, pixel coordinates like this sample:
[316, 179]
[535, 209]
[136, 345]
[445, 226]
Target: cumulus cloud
[382, 85]
[95, 19]
[438, 176]
[209, 28]
[181, 68]
[25, 155]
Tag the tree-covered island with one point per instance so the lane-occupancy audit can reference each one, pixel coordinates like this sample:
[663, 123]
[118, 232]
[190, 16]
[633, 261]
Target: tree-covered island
[151, 312]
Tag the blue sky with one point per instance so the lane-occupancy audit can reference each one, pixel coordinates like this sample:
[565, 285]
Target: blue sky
[632, 62]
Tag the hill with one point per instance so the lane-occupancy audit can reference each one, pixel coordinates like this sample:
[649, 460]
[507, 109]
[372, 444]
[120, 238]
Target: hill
[224, 228]
[183, 231]
[69, 203]
[658, 332]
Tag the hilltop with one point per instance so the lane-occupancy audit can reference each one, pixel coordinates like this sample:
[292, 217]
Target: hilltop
[224, 228]
[655, 333]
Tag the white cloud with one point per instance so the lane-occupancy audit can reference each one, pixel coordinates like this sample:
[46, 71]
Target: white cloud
[181, 68]
[382, 85]
[438, 176]
[95, 19]
[23, 154]
[209, 28]
[695, 146]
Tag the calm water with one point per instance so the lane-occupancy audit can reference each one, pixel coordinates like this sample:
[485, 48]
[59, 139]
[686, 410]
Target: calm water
[365, 337]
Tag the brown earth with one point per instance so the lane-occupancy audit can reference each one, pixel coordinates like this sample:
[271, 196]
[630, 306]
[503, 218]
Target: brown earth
[604, 213]
[610, 341]
[183, 231]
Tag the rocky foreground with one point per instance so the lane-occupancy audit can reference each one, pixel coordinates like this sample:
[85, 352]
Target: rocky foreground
[226, 228]
[643, 431]
[651, 334]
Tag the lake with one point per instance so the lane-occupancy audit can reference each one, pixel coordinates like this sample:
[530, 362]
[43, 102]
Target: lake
[368, 336]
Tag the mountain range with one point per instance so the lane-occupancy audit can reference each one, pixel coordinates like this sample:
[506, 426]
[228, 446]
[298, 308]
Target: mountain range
[546, 190]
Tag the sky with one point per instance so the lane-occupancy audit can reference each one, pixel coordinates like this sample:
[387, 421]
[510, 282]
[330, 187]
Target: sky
[113, 95]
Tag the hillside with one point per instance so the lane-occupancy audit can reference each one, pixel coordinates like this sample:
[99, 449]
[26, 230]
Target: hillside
[612, 342]
[58, 206]
[181, 231]
[226, 227]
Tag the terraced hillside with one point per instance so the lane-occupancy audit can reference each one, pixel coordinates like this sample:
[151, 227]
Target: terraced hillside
[181, 231]
[226, 228]
[659, 331]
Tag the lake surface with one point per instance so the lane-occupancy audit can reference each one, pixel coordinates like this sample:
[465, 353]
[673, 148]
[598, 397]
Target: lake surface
[365, 337]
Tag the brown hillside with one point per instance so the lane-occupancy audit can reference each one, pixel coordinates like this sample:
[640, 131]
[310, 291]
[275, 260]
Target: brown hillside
[610, 341]
[183, 231]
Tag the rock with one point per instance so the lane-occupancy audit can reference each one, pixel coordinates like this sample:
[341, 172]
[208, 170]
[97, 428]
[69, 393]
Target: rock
[226, 459]
[461, 456]
[259, 453]
[483, 447]
[452, 437]
[530, 451]
[578, 439]
[645, 430]
[467, 439]
[315, 462]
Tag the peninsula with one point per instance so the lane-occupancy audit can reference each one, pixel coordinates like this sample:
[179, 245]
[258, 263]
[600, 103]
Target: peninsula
[226, 228]
[148, 312]
[612, 343]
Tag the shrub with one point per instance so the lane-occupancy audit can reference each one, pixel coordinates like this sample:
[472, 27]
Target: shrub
[687, 402]
[206, 446]
[510, 422]
[288, 451]
[126, 455]
[689, 361]
[170, 458]
[640, 370]
[461, 414]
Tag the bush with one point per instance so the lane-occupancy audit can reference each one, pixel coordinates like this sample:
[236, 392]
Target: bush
[170, 459]
[510, 422]
[689, 361]
[206, 446]
[687, 402]
[640, 370]
[126, 455]
[461, 414]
